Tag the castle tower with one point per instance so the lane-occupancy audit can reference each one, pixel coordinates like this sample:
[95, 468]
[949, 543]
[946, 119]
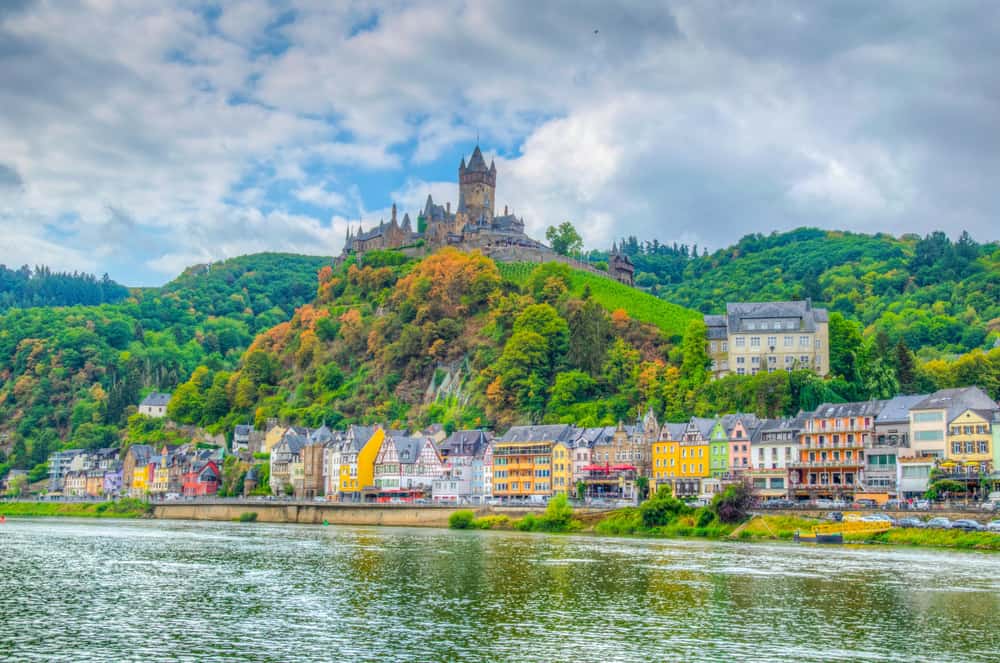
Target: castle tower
[477, 185]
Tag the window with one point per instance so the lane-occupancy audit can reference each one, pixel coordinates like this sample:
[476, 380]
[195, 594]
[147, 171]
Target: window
[725, 346]
[983, 446]
[713, 347]
[969, 446]
[928, 435]
[817, 344]
[755, 361]
[926, 417]
[803, 341]
[788, 360]
[740, 361]
[741, 371]
[772, 341]
[755, 341]
[956, 447]
[741, 341]
[804, 360]
[789, 341]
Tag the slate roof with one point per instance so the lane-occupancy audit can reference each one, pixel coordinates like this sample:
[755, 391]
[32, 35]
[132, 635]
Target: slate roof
[476, 161]
[553, 432]
[321, 435]
[870, 408]
[738, 312]
[897, 409]
[156, 399]
[243, 429]
[673, 432]
[408, 448]
[957, 401]
[704, 425]
[789, 424]
[465, 443]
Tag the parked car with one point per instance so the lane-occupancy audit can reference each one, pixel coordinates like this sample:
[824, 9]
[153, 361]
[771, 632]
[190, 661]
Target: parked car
[911, 523]
[988, 506]
[835, 516]
[922, 505]
[878, 518]
[824, 504]
[779, 504]
[894, 504]
[993, 526]
[967, 525]
[939, 523]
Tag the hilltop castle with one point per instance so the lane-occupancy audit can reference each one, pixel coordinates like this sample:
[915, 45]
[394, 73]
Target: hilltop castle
[473, 225]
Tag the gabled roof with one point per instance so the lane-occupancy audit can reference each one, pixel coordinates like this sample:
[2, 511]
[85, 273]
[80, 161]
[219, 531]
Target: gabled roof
[465, 443]
[408, 448]
[870, 408]
[156, 399]
[552, 432]
[704, 425]
[897, 409]
[243, 429]
[321, 435]
[956, 401]
[807, 316]
[673, 432]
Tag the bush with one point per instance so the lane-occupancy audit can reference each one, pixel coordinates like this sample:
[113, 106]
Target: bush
[558, 517]
[662, 509]
[732, 504]
[705, 517]
[624, 522]
[492, 522]
[248, 517]
[461, 519]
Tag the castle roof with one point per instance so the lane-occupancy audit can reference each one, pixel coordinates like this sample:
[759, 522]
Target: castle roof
[476, 161]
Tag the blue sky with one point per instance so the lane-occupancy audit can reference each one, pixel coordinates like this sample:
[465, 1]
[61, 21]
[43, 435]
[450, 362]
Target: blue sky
[139, 138]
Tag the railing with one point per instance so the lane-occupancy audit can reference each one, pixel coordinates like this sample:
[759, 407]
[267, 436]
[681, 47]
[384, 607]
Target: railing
[849, 462]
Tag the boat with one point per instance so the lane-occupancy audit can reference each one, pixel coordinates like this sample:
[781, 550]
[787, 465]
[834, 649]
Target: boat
[834, 537]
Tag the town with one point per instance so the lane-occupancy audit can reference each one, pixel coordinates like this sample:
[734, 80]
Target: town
[879, 450]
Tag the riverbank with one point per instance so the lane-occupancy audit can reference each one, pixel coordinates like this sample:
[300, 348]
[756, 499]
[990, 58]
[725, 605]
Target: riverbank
[124, 508]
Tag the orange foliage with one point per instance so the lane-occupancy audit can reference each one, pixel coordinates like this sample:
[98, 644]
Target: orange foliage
[274, 340]
[449, 283]
[620, 317]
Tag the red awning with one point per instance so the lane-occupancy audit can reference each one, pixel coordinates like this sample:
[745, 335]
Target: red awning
[595, 468]
[623, 468]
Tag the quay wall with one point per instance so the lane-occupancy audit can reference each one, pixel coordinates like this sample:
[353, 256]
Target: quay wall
[334, 514]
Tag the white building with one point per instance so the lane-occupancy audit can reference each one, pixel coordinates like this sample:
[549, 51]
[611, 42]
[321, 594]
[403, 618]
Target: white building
[155, 405]
[407, 465]
[462, 478]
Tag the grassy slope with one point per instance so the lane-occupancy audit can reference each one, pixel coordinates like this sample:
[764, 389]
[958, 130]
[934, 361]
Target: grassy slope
[641, 306]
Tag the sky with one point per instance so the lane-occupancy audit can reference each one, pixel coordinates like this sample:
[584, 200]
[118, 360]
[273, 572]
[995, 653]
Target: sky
[138, 138]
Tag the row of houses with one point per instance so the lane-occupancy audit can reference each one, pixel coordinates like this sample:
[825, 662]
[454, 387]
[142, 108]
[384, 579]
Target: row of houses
[141, 471]
[882, 448]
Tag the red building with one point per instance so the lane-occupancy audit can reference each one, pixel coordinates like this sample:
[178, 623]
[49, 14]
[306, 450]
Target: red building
[202, 479]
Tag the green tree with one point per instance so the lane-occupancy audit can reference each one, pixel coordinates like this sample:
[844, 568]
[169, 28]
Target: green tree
[187, 405]
[845, 346]
[589, 334]
[694, 367]
[906, 369]
[564, 238]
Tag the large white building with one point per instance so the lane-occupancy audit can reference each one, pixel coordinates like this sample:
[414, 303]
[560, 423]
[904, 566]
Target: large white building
[769, 336]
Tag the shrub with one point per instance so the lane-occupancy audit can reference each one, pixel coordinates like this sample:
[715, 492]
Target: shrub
[491, 522]
[662, 508]
[248, 517]
[705, 517]
[732, 504]
[558, 517]
[461, 519]
[626, 521]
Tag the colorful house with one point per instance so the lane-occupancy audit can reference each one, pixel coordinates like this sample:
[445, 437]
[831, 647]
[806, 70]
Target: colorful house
[718, 450]
[352, 461]
[522, 460]
[405, 467]
[832, 450]
[202, 478]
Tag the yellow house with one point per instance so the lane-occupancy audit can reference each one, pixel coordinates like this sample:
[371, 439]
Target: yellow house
[562, 469]
[357, 460]
[523, 461]
[970, 440]
[139, 485]
[272, 437]
[680, 460]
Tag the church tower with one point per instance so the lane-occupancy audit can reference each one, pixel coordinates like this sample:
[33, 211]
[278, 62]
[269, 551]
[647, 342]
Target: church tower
[477, 188]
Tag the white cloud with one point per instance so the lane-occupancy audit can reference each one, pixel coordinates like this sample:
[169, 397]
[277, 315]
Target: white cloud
[142, 136]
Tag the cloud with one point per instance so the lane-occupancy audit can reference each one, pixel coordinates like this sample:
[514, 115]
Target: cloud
[135, 137]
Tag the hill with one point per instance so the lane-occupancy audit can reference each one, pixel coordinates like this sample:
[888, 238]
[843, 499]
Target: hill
[939, 297]
[72, 373]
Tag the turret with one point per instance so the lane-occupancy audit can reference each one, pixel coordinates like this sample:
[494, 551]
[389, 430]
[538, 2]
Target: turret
[406, 223]
[392, 220]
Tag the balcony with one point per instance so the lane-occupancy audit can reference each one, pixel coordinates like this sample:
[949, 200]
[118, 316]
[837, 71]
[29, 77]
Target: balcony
[847, 462]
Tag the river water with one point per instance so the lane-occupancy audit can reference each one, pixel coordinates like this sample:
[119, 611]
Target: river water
[79, 590]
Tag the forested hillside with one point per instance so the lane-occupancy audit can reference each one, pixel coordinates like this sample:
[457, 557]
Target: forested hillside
[41, 286]
[459, 340]
[71, 373]
[935, 295]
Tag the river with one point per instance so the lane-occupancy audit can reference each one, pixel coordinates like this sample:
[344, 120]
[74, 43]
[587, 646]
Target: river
[73, 590]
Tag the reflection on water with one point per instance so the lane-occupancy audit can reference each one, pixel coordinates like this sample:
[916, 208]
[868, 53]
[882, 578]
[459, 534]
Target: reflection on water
[157, 590]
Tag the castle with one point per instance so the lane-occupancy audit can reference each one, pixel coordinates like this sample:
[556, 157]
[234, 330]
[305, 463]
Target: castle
[473, 225]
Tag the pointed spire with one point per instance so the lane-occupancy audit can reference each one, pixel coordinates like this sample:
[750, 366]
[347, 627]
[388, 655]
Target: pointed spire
[614, 248]
[493, 166]
[461, 166]
[406, 222]
[476, 161]
[393, 219]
